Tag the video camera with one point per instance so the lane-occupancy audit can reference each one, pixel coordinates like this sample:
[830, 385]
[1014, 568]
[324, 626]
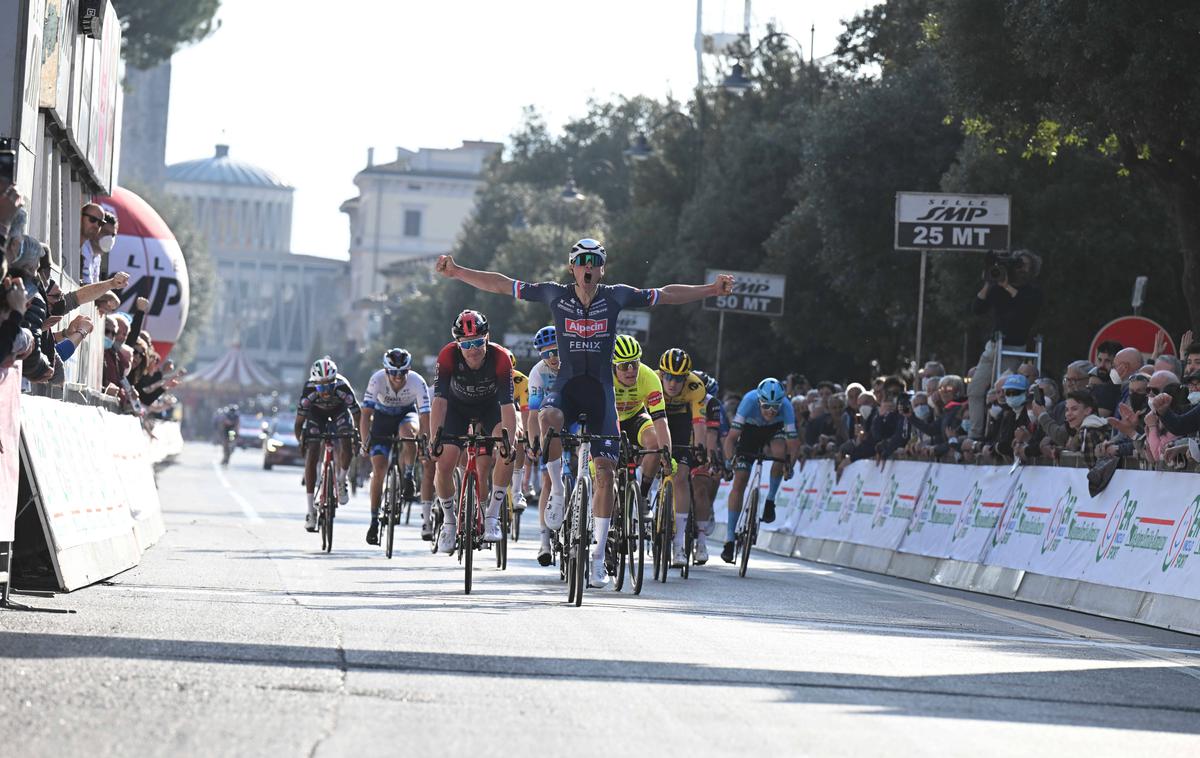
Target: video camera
[1000, 266]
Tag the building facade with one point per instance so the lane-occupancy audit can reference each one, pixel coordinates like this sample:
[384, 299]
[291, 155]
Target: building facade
[407, 213]
[269, 301]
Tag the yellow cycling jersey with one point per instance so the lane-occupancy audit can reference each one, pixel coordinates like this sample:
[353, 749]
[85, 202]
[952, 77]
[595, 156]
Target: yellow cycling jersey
[689, 400]
[520, 390]
[646, 392]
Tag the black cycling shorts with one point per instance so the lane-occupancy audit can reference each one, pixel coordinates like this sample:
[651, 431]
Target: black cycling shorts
[318, 421]
[460, 415]
[680, 425]
[635, 425]
[753, 439]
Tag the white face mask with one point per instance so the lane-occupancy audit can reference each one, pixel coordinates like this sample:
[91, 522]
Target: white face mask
[1015, 402]
[923, 412]
[1194, 398]
[106, 243]
[1115, 376]
[866, 411]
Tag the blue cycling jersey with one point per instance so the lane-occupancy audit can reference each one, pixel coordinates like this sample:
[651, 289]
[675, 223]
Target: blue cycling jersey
[749, 413]
[585, 333]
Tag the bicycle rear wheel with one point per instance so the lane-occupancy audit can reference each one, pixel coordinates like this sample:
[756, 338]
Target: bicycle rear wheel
[468, 531]
[390, 503]
[438, 518]
[505, 524]
[569, 534]
[751, 530]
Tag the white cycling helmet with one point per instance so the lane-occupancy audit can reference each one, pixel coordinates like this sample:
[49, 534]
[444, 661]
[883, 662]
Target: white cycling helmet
[397, 359]
[587, 245]
[323, 370]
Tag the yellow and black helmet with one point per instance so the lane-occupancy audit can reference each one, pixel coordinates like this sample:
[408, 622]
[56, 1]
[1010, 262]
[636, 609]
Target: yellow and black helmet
[675, 362]
[626, 349]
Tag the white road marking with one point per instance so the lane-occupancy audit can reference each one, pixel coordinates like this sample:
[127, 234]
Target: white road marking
[251, 514]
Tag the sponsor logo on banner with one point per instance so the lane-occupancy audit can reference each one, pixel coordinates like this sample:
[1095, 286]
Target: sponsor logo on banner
[923, 511]
[1006, 522]
[888, 502]
[1060, 518]
[850, 505]
[586, 327]
[1186, 539]
[1116, 529]
[967, 513]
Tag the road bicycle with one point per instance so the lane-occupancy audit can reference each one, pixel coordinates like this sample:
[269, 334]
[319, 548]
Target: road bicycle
[469, 534]
[325, 491]
[397, 487]
[664, 523]
[627, 536]
[745, 533]
[691, 530]
[577, 529]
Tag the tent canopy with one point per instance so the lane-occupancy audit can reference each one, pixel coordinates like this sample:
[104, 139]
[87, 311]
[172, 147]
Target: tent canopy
[233, 371]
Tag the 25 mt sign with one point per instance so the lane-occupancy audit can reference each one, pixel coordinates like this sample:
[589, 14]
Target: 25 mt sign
[932, 221]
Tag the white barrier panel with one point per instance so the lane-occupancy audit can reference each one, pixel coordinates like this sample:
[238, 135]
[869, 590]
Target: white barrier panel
[166, 441]
[1048, 525]
[887, 503]
[94, 487]
[10, 444]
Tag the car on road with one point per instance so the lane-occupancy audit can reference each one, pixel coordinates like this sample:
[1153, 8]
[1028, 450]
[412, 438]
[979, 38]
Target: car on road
[280, 445]
[251, 430]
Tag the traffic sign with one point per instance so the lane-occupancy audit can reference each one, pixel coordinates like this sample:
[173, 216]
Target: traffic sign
[753, 292]
[937, 221]
[1132, 331]
[634, 323]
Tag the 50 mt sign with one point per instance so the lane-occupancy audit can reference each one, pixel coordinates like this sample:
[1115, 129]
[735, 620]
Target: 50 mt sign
[753, 292]
[931, 221]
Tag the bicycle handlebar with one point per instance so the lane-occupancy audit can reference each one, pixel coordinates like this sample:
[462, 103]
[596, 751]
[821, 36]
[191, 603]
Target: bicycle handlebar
[441, 439]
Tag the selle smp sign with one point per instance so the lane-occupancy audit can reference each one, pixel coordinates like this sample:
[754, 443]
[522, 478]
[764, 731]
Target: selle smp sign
[753, 292]
[934, 221]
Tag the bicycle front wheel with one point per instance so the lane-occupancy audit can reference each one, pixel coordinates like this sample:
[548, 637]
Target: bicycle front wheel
[748, 535]
[468, 531]
[666, 529]
[689, 541]
[505, 526]
[330, 500]
[583, 544]
[390, 504]
[637, 541]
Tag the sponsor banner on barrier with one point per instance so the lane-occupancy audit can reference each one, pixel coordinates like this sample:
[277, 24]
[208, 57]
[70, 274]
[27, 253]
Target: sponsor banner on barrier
[808, 480]
[987, 490]
[1048, 524]
[1151, 537]
[10, 447]
[886, 505]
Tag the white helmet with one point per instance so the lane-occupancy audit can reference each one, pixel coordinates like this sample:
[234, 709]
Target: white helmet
[324, 370]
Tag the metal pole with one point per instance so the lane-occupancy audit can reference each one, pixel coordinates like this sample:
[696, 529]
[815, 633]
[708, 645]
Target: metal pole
[699, 45]
[920, 312]
[720, 337]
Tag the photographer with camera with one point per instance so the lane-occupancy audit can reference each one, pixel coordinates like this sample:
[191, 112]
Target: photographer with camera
[1013, 298]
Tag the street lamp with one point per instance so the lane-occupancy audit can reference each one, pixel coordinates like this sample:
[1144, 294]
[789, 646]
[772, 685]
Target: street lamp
[737, 83]
[569, 192]
[641, 149]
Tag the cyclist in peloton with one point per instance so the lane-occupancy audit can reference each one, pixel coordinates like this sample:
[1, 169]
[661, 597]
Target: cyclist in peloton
[641, 413]
[764, 417]
[521, 404]
[704, 478]
[684, 397]
[327, 398]
[585, 317]
[473, 381]
[541, 379]
[395, 403]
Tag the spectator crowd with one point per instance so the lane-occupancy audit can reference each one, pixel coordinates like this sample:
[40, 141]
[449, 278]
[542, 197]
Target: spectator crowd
[44, 319]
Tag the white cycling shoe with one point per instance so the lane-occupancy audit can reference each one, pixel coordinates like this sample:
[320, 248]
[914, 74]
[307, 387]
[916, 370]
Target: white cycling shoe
[678, 558]
[447, 538]
[343, 492]
[491, 529]
[701, 555]
[310, 521]
[555, 509]
[599, 577]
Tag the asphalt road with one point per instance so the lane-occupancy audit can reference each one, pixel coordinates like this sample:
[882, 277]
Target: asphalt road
[235, 636]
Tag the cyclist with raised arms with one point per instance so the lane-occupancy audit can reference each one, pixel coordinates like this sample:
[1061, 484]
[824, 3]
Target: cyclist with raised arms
[764, 418]
[684, 397]
[585, 317]
[704, 478]
[473, 383]
[641, 413]
[326, 399]
[541, 379]
[396, 402]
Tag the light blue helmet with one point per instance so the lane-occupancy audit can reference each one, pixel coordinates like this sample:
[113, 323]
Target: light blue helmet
[770, 392]
[546, 337]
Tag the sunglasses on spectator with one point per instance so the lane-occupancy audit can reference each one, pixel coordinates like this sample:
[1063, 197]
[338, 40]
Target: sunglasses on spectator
[1014, 393]
[551, 353]
[627, 365]
[396, 371]
[472, 344]
[93, 219]
[1154, 391]
[588, 259]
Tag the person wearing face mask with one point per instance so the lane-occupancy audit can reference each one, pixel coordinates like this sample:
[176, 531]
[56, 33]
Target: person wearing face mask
[1174, 410]
[1014, 434]
[107, 240]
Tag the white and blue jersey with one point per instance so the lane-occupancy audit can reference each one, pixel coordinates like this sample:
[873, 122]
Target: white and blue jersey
[413, 397]
[541, 379]
[749, 413]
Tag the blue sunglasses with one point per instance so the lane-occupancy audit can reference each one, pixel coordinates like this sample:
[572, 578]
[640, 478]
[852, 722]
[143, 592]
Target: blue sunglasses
[472, 344]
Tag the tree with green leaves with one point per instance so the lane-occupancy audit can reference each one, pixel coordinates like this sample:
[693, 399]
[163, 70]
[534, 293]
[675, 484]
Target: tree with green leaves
[1117, 78]
[154, 30]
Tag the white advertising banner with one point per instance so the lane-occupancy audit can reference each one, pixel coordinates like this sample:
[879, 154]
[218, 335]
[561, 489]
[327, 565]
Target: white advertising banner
[887, 503]
[1047, 523]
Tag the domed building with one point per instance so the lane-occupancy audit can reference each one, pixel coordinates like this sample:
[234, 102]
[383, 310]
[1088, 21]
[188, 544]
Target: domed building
[266, 296]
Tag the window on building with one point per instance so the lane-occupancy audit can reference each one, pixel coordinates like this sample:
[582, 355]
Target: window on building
[412, 223]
